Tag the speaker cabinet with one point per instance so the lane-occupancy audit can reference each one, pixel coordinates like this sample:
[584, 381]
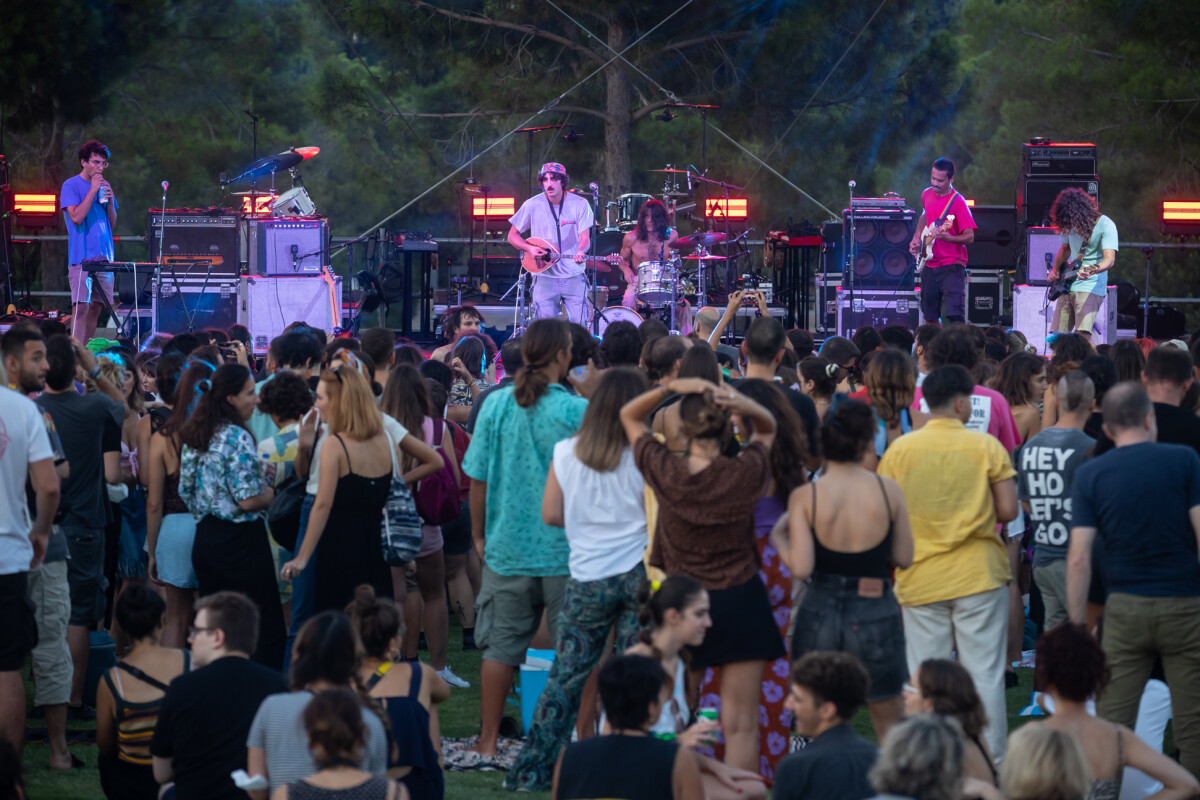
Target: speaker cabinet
[270, 304]
[1037, 195]
[192, 238]
[995, 238]
[881, 239]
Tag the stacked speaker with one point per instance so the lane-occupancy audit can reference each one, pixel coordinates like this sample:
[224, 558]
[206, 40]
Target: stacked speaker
[1049, 167]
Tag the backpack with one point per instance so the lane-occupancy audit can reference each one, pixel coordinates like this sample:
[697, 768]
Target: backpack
[437, 495]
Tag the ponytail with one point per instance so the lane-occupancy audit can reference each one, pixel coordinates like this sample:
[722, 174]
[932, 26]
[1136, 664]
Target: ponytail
[540, 345]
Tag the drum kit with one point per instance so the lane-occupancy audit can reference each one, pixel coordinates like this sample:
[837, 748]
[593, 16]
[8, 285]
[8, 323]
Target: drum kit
[667, 285]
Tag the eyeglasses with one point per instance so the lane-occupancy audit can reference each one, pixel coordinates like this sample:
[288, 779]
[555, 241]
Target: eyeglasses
[96, 163]
[192, 631]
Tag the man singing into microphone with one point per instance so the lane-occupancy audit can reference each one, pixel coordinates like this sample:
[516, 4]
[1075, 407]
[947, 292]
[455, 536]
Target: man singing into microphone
[564, 220]
[90, 211]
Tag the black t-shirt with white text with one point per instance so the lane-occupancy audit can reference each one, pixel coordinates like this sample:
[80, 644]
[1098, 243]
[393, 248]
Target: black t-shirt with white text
[1046, 467]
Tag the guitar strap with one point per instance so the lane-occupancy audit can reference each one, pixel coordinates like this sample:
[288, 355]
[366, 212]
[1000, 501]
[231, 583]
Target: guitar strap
[946, 210]
[557, 224]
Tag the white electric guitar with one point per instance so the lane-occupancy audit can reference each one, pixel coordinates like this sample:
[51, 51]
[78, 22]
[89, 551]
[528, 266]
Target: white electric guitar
[927, 240]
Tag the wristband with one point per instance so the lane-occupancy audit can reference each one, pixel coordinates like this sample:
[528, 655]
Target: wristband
[95, 373]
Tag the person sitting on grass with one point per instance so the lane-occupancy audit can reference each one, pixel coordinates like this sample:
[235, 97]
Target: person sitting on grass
[633, 690]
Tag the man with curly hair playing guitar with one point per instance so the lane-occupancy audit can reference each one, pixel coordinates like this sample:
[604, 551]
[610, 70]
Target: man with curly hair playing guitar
[1088, 250]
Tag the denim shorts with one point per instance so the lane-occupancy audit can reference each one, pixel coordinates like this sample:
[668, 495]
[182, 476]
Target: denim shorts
[833, 616]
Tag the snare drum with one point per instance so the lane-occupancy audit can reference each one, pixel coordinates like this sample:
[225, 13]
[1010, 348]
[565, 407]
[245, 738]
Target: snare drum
[629, 206]
[293, 203]
[655, 282]
[617, 313]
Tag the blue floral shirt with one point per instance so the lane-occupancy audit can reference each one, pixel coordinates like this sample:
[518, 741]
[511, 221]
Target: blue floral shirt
[511, 450]
[215, 481]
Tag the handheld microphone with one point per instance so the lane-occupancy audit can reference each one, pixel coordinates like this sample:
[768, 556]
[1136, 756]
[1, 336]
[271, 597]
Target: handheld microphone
[295, 263]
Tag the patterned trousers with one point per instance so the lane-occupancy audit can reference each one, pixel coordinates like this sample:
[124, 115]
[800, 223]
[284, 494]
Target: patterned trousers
[589, 611]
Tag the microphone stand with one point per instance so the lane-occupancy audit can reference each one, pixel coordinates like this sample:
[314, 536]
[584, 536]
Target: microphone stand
[848, 276]
[594, 289]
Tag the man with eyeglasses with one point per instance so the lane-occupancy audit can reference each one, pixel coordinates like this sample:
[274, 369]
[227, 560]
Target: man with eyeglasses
[205, 716]
[565, 220]
[90, 212]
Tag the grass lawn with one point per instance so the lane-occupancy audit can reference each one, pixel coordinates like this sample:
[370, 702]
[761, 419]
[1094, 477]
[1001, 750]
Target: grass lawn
[459, 717]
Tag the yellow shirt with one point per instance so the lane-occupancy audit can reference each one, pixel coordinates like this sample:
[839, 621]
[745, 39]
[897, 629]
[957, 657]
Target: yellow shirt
[947, 472]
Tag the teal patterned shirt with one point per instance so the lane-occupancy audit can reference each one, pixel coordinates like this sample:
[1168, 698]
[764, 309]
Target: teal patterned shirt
[511, 450]
[229, 471]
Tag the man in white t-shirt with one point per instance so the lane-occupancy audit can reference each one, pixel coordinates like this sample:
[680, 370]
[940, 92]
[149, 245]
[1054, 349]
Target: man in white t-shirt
[564, 220]
[25, 453]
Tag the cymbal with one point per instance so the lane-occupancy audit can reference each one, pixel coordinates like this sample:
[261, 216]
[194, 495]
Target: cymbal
[279, 162]
[698, 240]
[710, 257]
[678, 195]
[258, 193]
[307, 152]
[679, 171]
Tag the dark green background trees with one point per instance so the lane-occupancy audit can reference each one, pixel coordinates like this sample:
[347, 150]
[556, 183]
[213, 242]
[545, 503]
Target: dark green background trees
[399, 94]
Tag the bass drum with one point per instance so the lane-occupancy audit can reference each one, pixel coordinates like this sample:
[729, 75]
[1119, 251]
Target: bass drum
[614, 314]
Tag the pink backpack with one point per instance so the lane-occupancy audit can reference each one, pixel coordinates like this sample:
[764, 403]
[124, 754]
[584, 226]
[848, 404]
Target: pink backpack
[437, 495]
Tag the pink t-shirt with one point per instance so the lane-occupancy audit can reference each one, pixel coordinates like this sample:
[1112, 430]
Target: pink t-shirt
[989, 414]
[945, 252]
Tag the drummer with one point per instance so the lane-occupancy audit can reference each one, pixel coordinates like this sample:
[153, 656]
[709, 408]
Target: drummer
[647, 242]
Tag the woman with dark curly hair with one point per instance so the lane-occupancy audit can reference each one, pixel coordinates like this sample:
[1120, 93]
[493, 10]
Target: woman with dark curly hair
[891, 385]
[1089, 239]
[1071, 668]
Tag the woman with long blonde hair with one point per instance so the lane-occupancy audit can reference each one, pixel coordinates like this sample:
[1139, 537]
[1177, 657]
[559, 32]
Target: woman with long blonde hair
[343, 532]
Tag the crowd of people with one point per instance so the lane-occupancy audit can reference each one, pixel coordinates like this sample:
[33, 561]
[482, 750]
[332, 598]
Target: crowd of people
[732, 549]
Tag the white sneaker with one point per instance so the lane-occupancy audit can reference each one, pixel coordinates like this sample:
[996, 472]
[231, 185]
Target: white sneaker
[452, 679]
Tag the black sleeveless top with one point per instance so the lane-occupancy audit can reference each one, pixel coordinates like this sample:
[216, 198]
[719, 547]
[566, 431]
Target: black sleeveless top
[871, 563]
[645, 768]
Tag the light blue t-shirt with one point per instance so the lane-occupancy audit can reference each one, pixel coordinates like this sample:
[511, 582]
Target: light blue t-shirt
[92, 237]
[511, 450]
[1104, 237]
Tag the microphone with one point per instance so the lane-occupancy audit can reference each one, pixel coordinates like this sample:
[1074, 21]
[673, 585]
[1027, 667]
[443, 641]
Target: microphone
[595, 191]
[295, 264]
[165, 185]
[852, 184]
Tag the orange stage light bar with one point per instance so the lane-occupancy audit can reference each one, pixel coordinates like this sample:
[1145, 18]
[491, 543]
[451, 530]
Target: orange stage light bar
[496, 207]
[1181, 217]
[261, 201]
[715, 208]
[26, 203]
[1176, 210]
[970, 203]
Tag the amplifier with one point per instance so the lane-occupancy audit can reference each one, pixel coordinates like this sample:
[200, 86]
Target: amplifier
[195, 237]
[995, 238]
[274, 243]
[985, 297]
[189, 303]
[877, 202]
[270, 304]
[1041, 245]
[1033, 317]
[1037, 194]
[877, 308]
[1064, 160]
[881, 239]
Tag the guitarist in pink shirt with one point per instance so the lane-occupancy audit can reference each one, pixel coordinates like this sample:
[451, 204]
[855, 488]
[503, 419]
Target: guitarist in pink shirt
[559, 224]
[946, 224]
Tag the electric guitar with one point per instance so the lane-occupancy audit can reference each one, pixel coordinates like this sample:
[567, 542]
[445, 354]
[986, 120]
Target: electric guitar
[927, 240]
[536, 264]
[1062, 285]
